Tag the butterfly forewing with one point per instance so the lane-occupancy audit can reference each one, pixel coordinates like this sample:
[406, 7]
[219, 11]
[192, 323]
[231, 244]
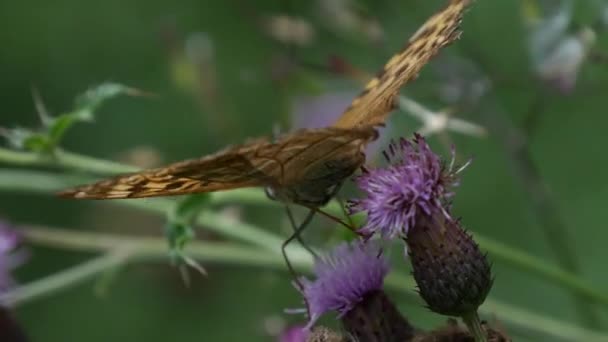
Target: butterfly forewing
[260, 162]
[229, 169]
[376, 102]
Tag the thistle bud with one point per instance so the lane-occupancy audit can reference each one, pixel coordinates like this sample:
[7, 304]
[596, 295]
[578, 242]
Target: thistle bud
[452, 274]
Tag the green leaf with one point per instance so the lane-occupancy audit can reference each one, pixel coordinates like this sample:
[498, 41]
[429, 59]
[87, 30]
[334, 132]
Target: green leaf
[37, 143]
[179, 229]
[179, 221]
[25, 139]
[84, 109]
[90, 100]
[45, 140]
[58, 126]
[178, 235]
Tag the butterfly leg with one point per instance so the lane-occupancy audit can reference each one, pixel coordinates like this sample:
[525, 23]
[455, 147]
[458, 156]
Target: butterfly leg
[295, 227]
[295, 236]
[350, 226]
[344, 212]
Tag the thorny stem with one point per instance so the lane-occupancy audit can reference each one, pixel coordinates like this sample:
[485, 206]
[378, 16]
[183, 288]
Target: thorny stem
[62, 279]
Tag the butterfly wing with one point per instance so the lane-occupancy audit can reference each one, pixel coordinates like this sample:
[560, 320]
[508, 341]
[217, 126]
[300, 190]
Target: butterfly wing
[228, 169]
[376, 102]
[257, 163]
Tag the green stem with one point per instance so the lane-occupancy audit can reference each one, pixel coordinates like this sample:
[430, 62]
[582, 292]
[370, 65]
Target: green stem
[474, 324]
[42, 182]
[64, 159]
[537, 267]
[121, 249]
[155, 248]
[62, 279]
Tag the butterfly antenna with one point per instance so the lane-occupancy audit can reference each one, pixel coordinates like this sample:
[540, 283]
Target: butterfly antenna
[296, 236]
[336, 219]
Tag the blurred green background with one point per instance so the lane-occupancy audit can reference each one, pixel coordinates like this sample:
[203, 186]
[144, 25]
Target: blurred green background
[63, 47]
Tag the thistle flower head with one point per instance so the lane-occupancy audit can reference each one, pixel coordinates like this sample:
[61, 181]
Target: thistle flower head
[344, 278]
[415, 183]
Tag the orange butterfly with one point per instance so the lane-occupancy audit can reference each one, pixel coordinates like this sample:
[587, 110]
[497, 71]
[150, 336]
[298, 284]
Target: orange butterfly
[305, 167]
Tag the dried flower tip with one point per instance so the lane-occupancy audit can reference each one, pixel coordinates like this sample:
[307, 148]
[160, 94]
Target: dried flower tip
[452, 274]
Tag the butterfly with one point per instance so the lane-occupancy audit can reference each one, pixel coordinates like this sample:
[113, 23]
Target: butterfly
[306, 167]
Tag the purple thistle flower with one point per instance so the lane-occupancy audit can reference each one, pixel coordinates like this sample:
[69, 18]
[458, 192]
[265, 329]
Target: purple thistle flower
[9, 257]
[417, 183]
[453, 274]
[344, 277]
[9, 238]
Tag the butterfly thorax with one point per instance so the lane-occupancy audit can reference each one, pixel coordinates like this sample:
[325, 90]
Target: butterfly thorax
[323, 179]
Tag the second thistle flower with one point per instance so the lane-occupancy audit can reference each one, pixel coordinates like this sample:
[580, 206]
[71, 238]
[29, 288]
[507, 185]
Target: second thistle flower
[349, 280]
